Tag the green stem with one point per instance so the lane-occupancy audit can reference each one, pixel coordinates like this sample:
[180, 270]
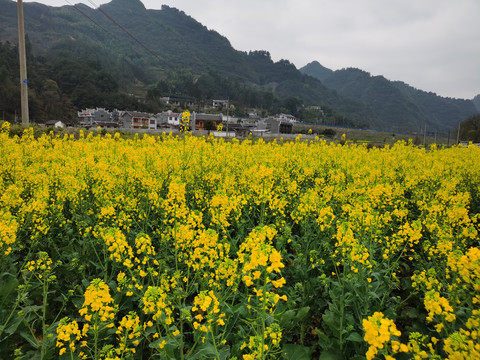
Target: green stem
[44, 316]
[264, 303]
[17, 303]
[95, 343]
[8, 319]
[214, 344]
[181, 340]
[124, 344]
[341, 317]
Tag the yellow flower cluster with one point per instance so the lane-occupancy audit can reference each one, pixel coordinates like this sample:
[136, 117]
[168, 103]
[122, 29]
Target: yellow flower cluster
[98, 304]
[257, 254]
[155, 302]
[129, 331]
[467, 266]
[461, 345]
[257, 348]
[274, 333]
[379, 332]
[120, 250]
[174, 205]
[350, 250]
[427, 279]
[438, 305]
[185, 121]
[186, 222]
[41, 267]
[8, 229]
[207, 307]
[223, 208]
[69, 334]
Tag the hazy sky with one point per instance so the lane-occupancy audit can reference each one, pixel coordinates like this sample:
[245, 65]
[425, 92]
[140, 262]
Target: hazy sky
[433, 45]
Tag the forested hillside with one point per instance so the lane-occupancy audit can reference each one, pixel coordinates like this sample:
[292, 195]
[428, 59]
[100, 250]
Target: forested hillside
[476, 102]
[397, 104]
[123, 55]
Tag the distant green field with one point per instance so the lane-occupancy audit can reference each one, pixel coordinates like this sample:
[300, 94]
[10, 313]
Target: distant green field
[375, 137]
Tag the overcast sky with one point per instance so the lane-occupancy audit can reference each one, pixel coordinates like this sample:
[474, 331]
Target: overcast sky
[433, 45]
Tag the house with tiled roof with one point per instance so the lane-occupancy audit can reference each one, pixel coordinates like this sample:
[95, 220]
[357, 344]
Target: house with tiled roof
[201, 121]
[137, 120]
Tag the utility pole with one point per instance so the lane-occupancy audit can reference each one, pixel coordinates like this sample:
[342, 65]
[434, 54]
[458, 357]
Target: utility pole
[228, 117]
[23, 64]
[424, 134]
[458, 133]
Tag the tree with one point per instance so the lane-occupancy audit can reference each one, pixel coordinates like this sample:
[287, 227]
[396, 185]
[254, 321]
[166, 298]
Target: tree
[292, 104]
[210, 125]
[470, 129]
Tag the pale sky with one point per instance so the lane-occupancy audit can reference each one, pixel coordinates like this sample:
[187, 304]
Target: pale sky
[433, 45]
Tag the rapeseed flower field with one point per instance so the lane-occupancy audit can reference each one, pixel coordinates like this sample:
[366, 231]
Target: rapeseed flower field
[182, 247]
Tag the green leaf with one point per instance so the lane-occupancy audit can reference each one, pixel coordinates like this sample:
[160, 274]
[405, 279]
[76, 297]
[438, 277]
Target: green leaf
[291, 318]
[302, 313]
[14, 325]
[331, 355]
[323, 340]
[31, 340]
[355, 337]
[357, 357]
[8, 286]
[296, 352]
[207, 351]
[287, 317]
[330, 320]
[411, 313]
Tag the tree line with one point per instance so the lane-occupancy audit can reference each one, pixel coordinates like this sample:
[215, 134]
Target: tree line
[66, 82]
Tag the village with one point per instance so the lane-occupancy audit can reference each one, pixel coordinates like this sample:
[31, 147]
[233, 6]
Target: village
[169, 119]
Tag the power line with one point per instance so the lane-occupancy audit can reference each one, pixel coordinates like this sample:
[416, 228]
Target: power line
[124, 30]
[88, 17]
[108, 32]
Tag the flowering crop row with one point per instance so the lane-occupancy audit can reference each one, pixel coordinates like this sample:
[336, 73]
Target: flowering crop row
[188, 248]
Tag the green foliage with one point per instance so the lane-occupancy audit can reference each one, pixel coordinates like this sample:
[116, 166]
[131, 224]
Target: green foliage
[397, 105]
[470, 129]
[210, 125]
[476, 102]
[92, 62]
[46, 100]
[97, 64]
[316, 70]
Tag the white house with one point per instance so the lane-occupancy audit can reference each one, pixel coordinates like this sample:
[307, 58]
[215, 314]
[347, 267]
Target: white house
[55, 124]
[169, 117]
[286, 118]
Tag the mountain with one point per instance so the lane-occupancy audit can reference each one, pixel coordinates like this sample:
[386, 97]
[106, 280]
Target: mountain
[397, 104]
[126, 56]
[476, 102]
[317, 70]
[154, 53]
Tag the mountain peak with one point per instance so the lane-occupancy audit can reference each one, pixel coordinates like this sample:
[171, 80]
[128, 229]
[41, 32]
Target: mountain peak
[316, 70]
[135, 5]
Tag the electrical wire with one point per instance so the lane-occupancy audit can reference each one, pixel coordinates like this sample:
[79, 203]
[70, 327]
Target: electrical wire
[112, 20]
[124, 30]
[88, 17]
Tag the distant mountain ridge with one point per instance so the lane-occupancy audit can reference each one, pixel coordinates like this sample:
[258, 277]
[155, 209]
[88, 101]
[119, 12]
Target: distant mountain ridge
[476, 102]
[395, 102]
[169, 53]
